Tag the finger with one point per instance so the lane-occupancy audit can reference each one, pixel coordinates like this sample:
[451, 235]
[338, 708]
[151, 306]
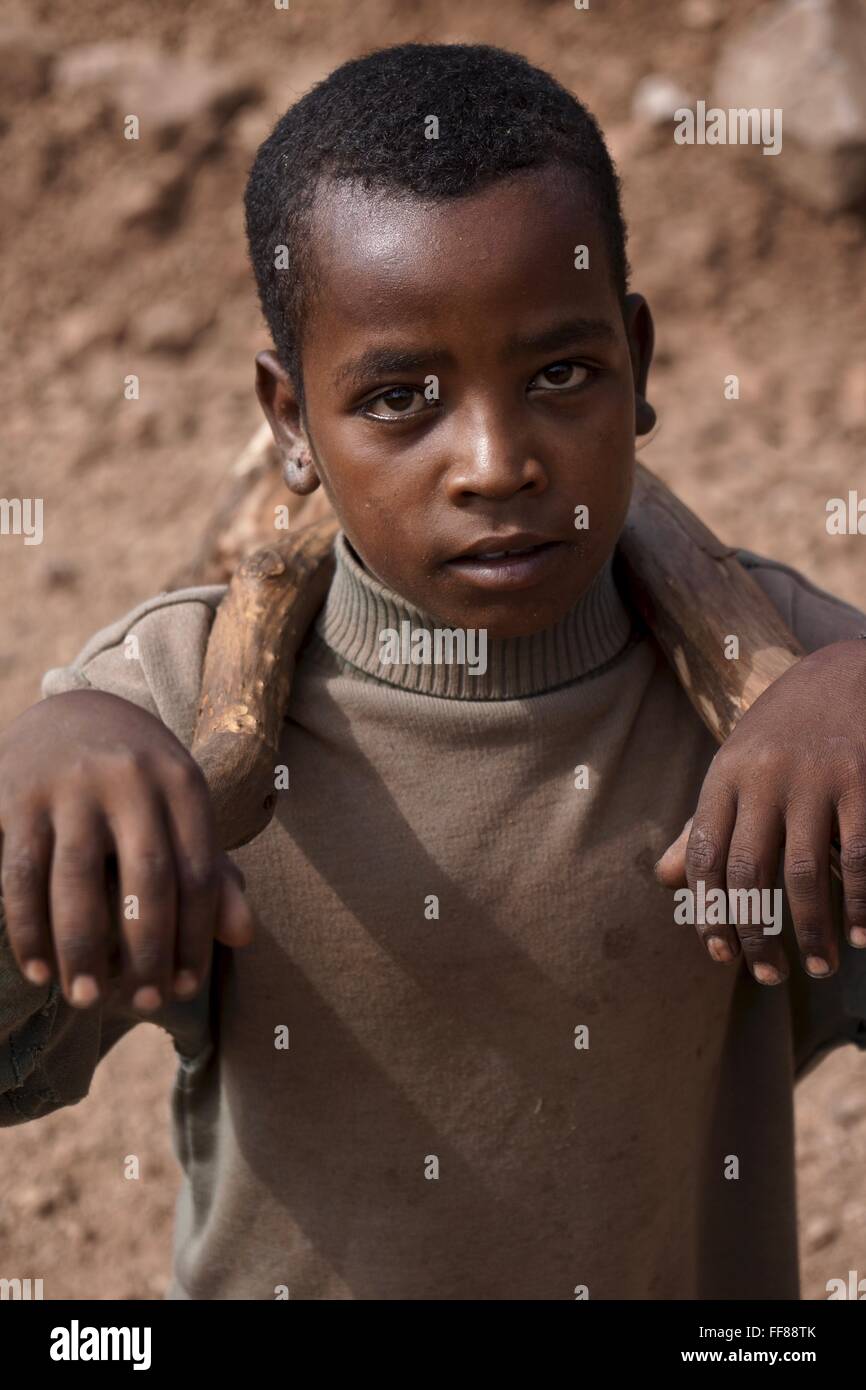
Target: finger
[852, 838]
[24, 879]
[197, 855]
[705, 865]
[148, 903]
[80, 918]
[807, 884]
[670, 870]
[236, 922]
[752, 869]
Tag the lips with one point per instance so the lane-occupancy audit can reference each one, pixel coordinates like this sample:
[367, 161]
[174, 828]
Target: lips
[502, 554]
[497, 547]
[499, 564]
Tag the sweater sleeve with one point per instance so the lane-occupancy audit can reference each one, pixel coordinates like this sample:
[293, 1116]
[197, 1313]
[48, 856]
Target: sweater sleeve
[825, 1013]
[49, 1051]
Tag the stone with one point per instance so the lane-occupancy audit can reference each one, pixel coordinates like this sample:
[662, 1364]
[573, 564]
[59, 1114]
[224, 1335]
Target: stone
[807, 57]
[170, 96]
[656, 98]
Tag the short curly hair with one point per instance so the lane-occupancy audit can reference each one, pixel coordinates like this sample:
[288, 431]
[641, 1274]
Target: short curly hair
[497, 114]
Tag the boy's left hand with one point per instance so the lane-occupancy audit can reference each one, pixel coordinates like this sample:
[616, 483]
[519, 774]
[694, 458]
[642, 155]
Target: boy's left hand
[792, 773]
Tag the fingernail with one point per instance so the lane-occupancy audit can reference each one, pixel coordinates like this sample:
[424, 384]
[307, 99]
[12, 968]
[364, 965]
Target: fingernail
[766, 974]
[185, 983]
[84, 991]
[146, 999]
[719, 949]
[857, 936]
[37, 972]
[817, 965]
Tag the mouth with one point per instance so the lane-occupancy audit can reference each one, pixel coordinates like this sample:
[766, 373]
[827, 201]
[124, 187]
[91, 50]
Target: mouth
[516, 562]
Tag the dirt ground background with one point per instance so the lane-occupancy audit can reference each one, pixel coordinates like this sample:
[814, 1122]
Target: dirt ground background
[127, 257]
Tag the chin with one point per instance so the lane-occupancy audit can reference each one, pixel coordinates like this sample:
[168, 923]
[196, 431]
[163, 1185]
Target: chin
[522, 619]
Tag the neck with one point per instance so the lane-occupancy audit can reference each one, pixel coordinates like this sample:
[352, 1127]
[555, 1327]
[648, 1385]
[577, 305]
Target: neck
[383, 635]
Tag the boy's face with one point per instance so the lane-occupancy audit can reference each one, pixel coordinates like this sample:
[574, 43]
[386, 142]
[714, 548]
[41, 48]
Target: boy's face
[466, 389]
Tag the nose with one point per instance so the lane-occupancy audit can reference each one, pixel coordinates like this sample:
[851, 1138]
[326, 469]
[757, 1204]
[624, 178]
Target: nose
[492, 457]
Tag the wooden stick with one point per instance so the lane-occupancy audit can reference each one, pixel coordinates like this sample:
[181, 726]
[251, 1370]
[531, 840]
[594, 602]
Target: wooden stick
[250, 660]
[694, 594]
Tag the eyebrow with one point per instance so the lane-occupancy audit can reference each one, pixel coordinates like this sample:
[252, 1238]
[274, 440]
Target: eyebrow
[385, 361]
[377, 362]
[563, 335]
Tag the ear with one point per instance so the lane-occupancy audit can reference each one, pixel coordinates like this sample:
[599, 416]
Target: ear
[641, 340]
[279, 401]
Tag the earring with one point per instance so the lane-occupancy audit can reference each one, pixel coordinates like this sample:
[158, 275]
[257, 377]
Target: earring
[645, 416]
[295, 463]
[646, 425]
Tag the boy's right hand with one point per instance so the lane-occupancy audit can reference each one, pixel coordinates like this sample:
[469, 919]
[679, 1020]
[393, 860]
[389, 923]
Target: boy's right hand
[91, 784]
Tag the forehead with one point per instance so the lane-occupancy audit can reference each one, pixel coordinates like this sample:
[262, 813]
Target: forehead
[389, 260]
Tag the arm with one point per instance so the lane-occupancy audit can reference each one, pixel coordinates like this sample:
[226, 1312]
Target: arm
[789, 779]
[75, 773]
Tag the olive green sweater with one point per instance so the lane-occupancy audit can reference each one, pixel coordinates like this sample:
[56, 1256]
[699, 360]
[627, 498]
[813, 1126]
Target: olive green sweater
[469, 1055]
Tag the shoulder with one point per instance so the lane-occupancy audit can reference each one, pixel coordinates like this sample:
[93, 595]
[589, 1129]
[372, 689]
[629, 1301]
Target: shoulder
[814, 615]
[152, 656]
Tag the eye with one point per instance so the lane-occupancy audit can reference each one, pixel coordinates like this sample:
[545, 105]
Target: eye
[396, 403]
[560, 376]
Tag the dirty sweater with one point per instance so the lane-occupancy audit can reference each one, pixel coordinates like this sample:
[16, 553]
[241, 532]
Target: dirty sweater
[469, 1055]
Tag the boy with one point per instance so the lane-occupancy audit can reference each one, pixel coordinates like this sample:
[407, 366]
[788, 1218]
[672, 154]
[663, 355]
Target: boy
[468, 1055]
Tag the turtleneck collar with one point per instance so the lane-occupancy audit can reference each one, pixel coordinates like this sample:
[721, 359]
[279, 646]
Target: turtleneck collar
[388, 638]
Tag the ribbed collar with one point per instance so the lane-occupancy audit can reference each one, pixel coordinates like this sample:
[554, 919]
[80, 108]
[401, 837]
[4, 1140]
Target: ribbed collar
[359, 612]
